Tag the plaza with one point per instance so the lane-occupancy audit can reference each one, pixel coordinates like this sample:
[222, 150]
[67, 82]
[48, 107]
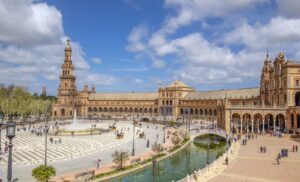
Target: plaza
[149, 91]
[76, 153]
[253, 166]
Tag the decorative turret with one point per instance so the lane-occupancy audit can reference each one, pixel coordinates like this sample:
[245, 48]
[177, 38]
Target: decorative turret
[93, 89]
[278, 63]
[86, 88]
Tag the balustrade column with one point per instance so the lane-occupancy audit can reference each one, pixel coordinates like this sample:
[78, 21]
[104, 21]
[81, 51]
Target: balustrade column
[263, 128]
[241, 128]
[247, 126]
[274, 124]
[285, 124]
[252, 128]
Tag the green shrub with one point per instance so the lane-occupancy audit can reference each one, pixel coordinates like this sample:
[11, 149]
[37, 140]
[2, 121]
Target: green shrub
[43, 173]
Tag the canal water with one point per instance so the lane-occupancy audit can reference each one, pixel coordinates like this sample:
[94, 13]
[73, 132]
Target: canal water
[175, 167]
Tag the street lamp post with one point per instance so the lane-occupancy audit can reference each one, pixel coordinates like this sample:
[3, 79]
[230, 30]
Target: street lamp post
[133, 130]
[164, 114]
[10, 134]
[46, 141]
[1, 123]
[227, 147]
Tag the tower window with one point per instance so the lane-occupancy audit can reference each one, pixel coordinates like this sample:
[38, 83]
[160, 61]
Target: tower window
[297, 83]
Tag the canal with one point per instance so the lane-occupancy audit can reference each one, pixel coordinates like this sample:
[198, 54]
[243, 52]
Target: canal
[176, 167]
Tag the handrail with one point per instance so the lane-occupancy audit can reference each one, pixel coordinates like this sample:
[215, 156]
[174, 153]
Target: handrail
[200, 172]
[257, 106]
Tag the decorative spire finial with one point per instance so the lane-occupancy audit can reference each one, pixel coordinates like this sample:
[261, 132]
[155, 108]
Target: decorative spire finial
[68, 46]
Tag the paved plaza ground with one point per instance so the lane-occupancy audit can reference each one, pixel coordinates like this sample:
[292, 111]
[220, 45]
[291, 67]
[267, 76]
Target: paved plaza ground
[253, 166]
[75, 153]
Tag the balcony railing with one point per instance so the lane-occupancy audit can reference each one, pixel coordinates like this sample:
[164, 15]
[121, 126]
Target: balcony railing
[256, 107]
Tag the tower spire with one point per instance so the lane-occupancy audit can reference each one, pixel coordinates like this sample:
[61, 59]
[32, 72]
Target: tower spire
[68, 51]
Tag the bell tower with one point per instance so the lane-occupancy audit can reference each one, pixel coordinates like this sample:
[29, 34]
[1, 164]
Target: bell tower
[67, 87]
[67, 77]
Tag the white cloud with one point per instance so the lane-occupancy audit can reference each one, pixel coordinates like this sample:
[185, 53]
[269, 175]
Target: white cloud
[138, 81]
[188, 11]
[135, 69]
[102, 79]
[26, 23]
[279, 33]
[158, 44]
[289, 8]
[204, 62]
[96, 60]
[32, 43]
[215, 61]
[136, 38]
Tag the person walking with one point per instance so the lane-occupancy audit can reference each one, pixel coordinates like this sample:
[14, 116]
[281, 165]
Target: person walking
[296, 148]
[293, 148]
[98, 163]
[277, 159]
[260, 148]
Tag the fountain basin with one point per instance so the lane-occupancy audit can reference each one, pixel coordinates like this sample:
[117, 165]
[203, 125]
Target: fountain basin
[79, 127]
[64, 132]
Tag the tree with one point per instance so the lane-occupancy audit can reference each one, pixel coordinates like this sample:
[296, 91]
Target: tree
[157, 148]
[171, 123]
[17, 101]
[43, 173]
[120, 158]
[175, 139]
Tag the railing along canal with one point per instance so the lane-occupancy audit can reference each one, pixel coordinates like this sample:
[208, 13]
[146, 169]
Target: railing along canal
[212, 166]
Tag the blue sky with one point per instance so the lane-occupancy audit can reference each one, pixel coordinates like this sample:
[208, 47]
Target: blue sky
[133, 45]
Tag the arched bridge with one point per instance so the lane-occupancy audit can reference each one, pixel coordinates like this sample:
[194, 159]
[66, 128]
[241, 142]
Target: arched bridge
[197, 132]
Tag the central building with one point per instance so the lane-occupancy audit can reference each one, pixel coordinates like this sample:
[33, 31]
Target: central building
[275, 105]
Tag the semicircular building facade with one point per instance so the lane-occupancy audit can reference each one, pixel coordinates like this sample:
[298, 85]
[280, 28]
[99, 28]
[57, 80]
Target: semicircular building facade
[275, 105]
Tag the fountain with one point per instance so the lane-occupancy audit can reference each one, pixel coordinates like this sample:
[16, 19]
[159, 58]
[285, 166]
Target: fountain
[79, 127]
[74, 125]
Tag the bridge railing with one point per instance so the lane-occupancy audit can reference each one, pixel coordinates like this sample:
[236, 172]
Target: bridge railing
[210, 131]
[204, 171]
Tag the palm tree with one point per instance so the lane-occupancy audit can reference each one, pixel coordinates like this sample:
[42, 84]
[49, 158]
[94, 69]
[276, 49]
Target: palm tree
[175, 140]
[120, 158]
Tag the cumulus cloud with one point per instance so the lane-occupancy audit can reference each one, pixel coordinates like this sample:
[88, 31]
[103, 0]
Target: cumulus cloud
[102, 79]
[204, 62]
[136, 38]
[200, 60]
[138, 81]
[278, 33]
[32, 42]
[189, 11]
[289, 8]
[96, 60]
[26, 23]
